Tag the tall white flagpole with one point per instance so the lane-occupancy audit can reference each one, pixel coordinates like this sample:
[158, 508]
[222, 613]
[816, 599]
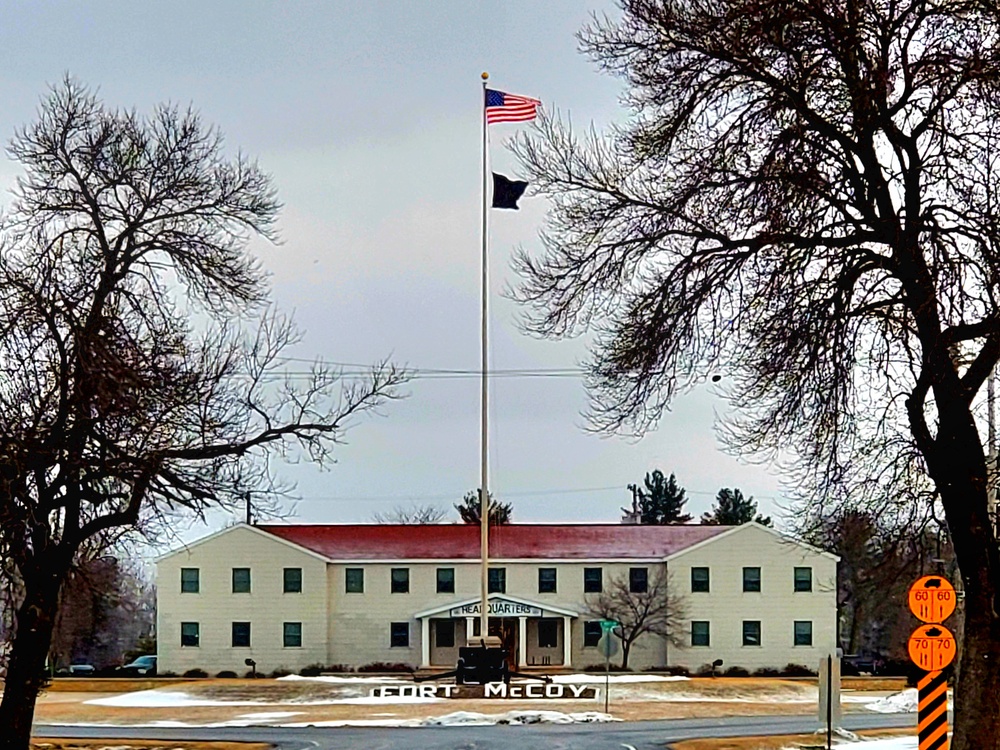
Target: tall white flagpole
[484, 495]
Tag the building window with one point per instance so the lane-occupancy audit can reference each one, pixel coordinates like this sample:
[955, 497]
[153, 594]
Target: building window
[498, 581]
[803, 579]
[592, 633]
[751, 579]
[400, 581]
[546, 580]
[241, 635]
[638, 580]
[354, 580]
[190, 581]
[293, 581]
[241, 580]
[699, 579]
[399, 635]
[803, 633]
[548, 633]
[751, 632]
[700, 633]
[446, 580]
[190, 635]
[593, 580]
[444, 633]
[291, 635]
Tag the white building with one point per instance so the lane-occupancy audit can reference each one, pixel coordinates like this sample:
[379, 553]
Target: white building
[296, 595]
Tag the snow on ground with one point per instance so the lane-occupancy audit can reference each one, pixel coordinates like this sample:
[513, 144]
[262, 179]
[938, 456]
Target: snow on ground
[614, 679]
[471, 718]
[904, 702]
[337, 679]
[458, 718]
[178, 699]
[893, 743]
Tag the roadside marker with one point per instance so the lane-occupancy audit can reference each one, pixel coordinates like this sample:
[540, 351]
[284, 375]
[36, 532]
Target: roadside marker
[932, 711]
[932, 647]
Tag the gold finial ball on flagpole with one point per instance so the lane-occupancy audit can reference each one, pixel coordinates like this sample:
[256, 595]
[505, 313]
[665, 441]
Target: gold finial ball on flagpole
[485, 76]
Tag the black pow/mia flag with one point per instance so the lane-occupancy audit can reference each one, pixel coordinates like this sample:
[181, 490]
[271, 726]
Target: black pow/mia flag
[506, 192]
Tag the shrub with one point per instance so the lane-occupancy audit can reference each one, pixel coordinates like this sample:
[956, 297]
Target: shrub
[250, 674]
[280, 672]
[736, 672]
[226, 674]
[315, 670]
[672, 671]
[381, 666]
[166, 674]
[599, 667]
[797, 670]
[705, 670]
[196, 673]
[766, 672]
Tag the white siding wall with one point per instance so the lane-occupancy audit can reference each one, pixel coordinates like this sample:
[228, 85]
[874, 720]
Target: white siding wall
[354, 629]
[777, 606]
[360, 625]
[215, 607]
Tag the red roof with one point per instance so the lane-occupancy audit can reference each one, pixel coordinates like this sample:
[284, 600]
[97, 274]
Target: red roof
[511, 541]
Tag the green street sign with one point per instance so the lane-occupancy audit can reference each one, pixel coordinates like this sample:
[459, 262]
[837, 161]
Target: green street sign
[609, 625]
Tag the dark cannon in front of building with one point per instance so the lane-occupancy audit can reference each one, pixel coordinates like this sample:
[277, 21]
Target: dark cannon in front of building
[481, 662]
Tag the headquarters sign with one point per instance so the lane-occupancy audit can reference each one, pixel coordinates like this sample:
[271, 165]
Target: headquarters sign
[498, 608]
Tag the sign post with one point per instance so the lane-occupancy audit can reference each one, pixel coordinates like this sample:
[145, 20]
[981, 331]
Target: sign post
[932, 648]
[609, 647]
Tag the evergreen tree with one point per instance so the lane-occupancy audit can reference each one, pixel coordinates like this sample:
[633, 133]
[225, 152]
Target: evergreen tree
[732, 509]
[662, 500]
[470, 509]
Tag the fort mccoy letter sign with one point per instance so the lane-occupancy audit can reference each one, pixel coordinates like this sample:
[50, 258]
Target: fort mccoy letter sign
[514, 691]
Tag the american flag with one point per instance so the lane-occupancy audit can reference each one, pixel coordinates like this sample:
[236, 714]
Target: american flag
[501, 107]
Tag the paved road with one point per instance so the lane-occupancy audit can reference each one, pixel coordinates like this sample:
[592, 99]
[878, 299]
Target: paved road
[643, 735]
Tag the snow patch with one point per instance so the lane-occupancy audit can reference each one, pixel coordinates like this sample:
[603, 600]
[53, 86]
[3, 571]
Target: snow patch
[470, 718]
[904, 702]
[340, 680]
[177, 699]
[892, 743]
[615, 679]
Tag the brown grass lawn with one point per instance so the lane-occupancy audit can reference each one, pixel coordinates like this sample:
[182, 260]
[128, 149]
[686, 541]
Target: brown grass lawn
[708, 697]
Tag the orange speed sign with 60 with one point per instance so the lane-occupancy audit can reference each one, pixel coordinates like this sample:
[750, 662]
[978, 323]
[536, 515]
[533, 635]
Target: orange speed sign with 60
[932, 599]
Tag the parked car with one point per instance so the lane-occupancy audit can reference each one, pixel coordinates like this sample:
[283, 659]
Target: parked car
[143, 665]
[76, 670]
[861, 664]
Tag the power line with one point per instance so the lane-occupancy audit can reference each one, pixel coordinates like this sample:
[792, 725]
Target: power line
[522, 493]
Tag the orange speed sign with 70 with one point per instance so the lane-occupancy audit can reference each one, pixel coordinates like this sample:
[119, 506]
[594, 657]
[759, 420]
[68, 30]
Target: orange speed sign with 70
[932, 647]
[932, 599]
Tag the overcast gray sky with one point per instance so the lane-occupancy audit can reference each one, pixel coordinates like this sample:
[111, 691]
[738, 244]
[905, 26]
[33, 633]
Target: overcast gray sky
[367, 114]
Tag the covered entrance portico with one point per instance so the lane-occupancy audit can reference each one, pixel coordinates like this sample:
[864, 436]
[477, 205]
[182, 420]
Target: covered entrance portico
[534, 634]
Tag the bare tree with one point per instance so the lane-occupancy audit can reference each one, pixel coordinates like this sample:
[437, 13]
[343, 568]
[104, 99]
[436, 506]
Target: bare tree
[106, 607]
[412, 514]
[805, 197]
[130, 388]
[655, 610]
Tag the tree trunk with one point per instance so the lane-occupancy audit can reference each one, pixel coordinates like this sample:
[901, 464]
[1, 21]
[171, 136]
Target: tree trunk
[626, 646]
[959, 471]
[977, 693]
[26, 667]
